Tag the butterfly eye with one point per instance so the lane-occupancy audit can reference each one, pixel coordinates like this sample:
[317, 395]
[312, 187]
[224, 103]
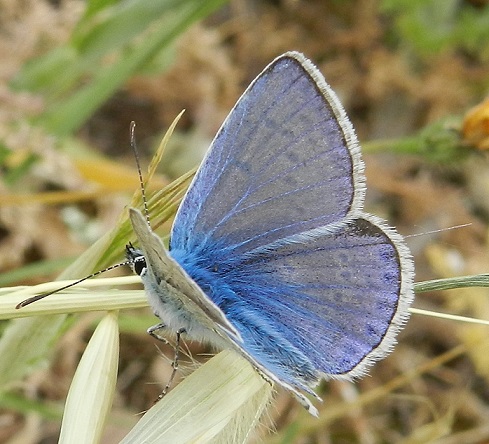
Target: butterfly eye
[139, 265]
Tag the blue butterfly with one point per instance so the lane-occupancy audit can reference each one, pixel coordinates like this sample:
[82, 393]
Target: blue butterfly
[271, 253]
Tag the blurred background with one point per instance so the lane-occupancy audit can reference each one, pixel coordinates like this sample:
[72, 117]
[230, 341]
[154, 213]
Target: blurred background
[412, 75]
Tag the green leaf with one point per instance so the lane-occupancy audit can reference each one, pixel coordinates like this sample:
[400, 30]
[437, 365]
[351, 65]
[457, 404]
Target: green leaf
[108, 47]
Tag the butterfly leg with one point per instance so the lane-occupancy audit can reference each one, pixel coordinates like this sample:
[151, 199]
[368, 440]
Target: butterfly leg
[174, 363]
[154, 328]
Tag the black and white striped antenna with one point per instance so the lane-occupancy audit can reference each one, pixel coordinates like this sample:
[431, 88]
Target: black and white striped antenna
[38, 297]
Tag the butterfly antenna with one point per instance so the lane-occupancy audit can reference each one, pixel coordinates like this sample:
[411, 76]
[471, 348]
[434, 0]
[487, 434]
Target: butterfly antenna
[140, 174]
[43, 295]
[112, 267]
[441, 230]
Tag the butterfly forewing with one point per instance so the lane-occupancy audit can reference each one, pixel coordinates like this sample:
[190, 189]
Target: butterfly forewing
[285, 161]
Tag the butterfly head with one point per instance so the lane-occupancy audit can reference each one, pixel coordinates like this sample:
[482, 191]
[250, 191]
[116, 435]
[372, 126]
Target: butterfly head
[136, 259]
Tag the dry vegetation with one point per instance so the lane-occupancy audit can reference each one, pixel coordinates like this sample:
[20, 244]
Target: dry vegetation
[435, 386]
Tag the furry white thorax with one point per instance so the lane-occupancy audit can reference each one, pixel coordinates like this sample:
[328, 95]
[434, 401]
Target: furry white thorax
[166, 303]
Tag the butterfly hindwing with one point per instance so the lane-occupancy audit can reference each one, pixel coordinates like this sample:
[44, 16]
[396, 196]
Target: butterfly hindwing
[338, 298]
[329, 305]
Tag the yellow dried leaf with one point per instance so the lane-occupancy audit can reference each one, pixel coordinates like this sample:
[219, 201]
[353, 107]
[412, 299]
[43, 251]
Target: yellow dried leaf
[475, 128]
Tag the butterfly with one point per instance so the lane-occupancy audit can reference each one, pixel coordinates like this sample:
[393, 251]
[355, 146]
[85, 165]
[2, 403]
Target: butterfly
[271, 253]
